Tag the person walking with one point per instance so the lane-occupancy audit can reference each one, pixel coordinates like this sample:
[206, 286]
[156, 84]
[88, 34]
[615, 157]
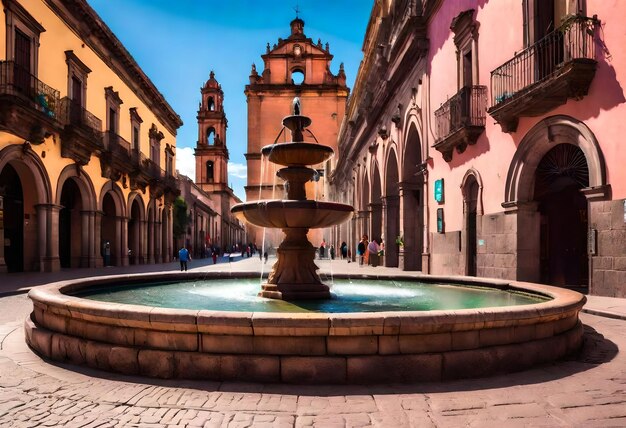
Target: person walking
[183, 257]
[360, 249]
[372, 250]
[214, 255]
[343, 249]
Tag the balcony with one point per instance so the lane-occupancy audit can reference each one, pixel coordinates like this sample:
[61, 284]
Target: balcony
[140, 173]
[28, 107]
[461, 120]
[544, 75]
[162, 182]
[115, 160]
[82, 135]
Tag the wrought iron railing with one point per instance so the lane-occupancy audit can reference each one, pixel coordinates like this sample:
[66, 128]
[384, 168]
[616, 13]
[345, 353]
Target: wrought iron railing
[467, 108]
[72, 113]
[17, 81]
[116, 144]
[574, 39]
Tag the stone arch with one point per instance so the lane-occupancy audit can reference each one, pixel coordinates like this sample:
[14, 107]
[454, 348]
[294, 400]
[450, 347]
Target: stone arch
[137, 236]
[471, 190]
[391, 208]
[412, 201]
[112, 226]
[538, 141]
[473, 174]
[77, 247]
[376, 203]
[29, 216]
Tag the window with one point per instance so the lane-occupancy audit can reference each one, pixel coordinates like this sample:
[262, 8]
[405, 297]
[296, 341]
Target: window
[22, 38]
[113, 102]
[135, 124]
[211, 104]
[209, 170]
[466, 40]
[169, 160]
[155, 137]
[541, 17]
[77, 73]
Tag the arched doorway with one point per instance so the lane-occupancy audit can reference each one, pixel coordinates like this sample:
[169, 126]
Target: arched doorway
[391, 209]
[376, 206]
[560, 176]
[134, 233]
[13, 212]
[556, 172]
[109, 231]
[411, 189]
[472, 209]
[70, 225]
[364, 213]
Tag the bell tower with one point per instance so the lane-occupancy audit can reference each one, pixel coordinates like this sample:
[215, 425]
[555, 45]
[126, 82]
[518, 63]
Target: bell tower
[211, 152]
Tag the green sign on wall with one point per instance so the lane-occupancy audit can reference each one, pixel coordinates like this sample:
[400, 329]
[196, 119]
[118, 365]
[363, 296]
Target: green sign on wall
[439, 190]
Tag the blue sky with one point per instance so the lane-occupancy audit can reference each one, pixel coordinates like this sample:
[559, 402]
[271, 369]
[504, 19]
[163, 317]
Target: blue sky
[177, 44]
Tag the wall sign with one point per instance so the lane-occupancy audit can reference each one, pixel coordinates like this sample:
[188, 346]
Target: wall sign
[439, 190]
[440, 225]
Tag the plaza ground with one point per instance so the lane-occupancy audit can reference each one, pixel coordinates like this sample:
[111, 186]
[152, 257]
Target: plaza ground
[588, 389]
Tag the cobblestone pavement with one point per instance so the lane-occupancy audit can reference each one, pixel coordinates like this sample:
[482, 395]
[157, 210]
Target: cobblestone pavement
[588, 390]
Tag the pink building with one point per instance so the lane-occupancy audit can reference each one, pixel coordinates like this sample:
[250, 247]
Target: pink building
[482, 138]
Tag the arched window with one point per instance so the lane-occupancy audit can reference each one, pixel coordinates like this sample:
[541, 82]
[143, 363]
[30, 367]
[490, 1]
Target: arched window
[209, 170]
[210, 136]
[297, 77]
[211, 104]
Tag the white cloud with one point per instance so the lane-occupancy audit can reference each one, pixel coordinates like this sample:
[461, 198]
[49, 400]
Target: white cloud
[237, 170]
[186, 162]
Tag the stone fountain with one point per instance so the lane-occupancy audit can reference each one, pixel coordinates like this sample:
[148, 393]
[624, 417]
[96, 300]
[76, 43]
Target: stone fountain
[294, 276]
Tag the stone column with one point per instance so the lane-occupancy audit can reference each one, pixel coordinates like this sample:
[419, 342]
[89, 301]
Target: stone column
[150, 240]
[97, 244]
[158, 237]
[391, 205]
[521, 237]
[48, 237]
[88, 238]
[411, 224]
[121, 231]
[3, 265]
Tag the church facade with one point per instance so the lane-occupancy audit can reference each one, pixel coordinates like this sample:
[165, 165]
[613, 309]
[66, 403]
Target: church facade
[504, 162]
[293, 67]
[87, 145]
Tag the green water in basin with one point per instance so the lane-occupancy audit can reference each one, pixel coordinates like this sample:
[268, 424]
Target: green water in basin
[372, 295]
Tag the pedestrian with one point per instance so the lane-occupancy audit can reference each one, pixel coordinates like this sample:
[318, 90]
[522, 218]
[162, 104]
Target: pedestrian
[323, 249]
[265, 256]
[183, 257]
[107, 253]
[332, 252]
[260, 256]
[214, 255]
[372, 250]
[343, 249]
[360, 249]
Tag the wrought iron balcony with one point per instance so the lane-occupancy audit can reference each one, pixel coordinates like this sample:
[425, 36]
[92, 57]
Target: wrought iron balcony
[115, 160]
[161, 181]
[82, 135]
[461, 120]
[28, 107]
[544, 75]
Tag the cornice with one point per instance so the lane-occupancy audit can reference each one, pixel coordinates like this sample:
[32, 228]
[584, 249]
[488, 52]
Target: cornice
[86, 23]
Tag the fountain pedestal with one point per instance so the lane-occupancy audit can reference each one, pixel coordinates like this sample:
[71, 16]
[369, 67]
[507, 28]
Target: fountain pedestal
[294, 276]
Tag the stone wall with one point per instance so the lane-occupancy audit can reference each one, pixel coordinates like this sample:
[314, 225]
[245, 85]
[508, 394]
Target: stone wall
[446, 255]
[497, 246]
[608, 266]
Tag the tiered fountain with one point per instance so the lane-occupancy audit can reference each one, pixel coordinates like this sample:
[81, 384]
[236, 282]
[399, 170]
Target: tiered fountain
[294, 276]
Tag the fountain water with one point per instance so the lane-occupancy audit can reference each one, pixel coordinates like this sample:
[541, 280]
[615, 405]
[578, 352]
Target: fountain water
[294, 276]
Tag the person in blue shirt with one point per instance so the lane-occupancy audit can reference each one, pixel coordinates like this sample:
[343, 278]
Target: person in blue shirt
[183, 257]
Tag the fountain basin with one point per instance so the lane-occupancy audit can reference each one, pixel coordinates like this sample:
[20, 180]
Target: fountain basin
[283, 214]
[297, 154]
[301, 347]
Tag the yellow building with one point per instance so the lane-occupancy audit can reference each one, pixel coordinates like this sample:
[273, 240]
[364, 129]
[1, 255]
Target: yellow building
[87, 144]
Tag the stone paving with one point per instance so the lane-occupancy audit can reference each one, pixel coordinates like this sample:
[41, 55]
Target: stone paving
[589, 390]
